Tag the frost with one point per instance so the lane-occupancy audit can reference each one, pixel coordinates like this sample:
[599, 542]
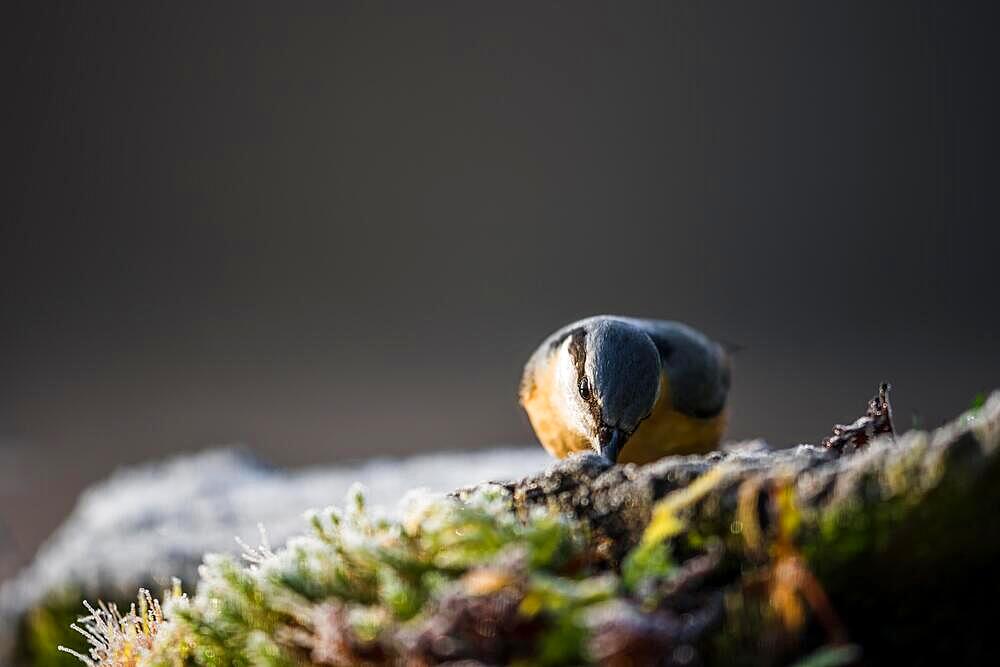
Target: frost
[149, 523]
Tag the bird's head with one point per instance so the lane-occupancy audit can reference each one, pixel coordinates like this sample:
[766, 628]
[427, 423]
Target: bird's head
[608, 377]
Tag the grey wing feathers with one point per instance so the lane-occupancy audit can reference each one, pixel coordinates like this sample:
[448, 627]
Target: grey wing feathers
[698, 367]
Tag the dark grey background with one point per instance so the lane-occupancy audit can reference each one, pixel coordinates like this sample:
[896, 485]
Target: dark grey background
[331, 230]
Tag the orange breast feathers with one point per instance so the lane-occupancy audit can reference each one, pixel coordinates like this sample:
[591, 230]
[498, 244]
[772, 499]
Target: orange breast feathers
[669, 432]
[665, 432]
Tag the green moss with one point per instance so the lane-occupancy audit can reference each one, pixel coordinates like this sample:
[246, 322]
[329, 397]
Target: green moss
[831, 656]
[391, 577]
[47, 626]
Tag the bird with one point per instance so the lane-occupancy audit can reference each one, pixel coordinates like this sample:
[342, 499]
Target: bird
[633, 390]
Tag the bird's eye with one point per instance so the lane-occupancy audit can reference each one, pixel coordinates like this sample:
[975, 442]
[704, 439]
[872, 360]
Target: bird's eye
[584, 389]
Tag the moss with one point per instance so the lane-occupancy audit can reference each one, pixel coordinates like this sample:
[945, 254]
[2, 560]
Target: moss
[46, 627]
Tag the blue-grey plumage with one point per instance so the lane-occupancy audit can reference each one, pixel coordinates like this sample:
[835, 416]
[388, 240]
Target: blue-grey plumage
[632, 389]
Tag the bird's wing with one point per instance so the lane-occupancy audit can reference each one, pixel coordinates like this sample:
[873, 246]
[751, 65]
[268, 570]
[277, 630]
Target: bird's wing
[696, 366]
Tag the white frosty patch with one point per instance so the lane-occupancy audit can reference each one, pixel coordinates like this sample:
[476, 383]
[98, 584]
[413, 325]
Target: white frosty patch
[149, 523]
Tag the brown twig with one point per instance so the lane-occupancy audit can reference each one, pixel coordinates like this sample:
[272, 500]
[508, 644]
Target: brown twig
[876, 422]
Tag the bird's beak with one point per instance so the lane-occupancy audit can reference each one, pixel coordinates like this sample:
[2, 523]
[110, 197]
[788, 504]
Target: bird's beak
[610, 442]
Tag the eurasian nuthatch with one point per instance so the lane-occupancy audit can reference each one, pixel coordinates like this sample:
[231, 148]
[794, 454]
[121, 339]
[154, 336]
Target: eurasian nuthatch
[633, 390]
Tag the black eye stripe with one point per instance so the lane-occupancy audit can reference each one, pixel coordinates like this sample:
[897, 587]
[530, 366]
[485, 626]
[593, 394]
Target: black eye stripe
[578, 349]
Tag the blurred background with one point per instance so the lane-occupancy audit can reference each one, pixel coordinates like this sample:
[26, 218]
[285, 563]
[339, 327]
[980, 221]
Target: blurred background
[335, 230]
